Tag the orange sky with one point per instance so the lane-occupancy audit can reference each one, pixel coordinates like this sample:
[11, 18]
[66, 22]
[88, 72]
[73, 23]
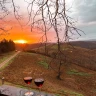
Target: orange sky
[17, 33]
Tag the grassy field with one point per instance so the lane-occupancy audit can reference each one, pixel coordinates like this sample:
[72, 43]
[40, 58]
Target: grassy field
[74, 55]
[76, 81]
[3, 57]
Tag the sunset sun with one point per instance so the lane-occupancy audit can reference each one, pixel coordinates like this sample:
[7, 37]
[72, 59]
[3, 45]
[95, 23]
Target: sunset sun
[20, 41]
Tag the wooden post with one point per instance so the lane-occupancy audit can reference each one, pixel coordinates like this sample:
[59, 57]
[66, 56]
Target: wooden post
[3, 79]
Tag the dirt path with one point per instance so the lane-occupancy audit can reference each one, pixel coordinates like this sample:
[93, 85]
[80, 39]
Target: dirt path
[4, 63]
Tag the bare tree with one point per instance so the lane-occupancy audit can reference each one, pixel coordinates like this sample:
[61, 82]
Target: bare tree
[7, 7]
[3, 13]
[47, 15]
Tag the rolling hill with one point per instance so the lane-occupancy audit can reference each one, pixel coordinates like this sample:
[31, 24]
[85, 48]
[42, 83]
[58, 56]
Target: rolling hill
[78, 73]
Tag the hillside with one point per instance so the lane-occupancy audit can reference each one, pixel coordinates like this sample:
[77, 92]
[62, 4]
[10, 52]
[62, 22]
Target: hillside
[76, 80]
[73, 55]
[28, 46]
[84, 44]
[76, 77]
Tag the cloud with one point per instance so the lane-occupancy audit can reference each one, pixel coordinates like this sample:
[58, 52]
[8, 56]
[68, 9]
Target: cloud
[85, 10]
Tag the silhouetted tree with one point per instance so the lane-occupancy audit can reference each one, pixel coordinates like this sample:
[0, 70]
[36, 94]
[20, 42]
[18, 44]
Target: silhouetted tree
[11, 45]
[6, 46]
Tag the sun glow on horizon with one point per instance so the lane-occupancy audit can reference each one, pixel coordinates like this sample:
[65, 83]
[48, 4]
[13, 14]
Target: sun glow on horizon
[20, 41]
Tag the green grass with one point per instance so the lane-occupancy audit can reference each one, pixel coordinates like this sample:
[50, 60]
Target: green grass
[3, 59]
[76, 72]
[5, 56]
[63, 92]
[76, 94]
[55, 47]
[8, 63]
[43, 63]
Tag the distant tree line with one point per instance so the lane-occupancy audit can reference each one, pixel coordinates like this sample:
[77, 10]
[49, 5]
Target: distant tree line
[6, 46]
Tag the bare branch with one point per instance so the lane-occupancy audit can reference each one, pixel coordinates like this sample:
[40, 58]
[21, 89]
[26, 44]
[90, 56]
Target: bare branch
[16, 14]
